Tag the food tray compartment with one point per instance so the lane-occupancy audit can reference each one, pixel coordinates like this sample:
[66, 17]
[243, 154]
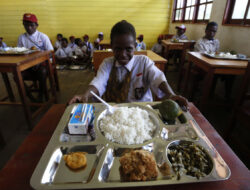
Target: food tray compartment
[152, 116]
[110, 170]
[57, 172]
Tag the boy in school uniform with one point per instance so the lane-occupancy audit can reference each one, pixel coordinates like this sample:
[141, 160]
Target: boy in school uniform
[80, 51]
[2, 44]
[33, 39]
[157, 48]
[180, 30]
[72, 44]
[208, 44]
[64, 55]
[58, 41]
[140, 44]
[88, 45]
[127, 77]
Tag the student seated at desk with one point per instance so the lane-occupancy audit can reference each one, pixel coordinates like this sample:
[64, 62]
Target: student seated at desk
[72, 44]
[208, 44]
[2, 44]
[157, 48]
[80, 52]
[140, 44]
[33, 39]
[180, 30]
[88, 45]
[64, 54]
[58, 41]
[127, 77]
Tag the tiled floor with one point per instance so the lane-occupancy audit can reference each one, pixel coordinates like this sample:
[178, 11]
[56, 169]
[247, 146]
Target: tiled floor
[14, 128]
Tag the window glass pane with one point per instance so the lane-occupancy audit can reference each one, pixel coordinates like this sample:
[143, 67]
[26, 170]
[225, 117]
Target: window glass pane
[189, 2]
[239, 9]
[248, 14]
[187, 13]
[177, 14]
[193, 2]
[209, 0]
[208, 11]
[180, 3]
[191, 13]
[180, 14]
[201, 12]
[202, 1]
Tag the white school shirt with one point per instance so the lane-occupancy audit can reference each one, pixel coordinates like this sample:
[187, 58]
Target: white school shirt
[140, 46]
[64, 52]
[72, 46]
[181, 37]
[145, 75]
[3, 45]
[38, 39]
[157, 48]
[204, 45]
[58, 44]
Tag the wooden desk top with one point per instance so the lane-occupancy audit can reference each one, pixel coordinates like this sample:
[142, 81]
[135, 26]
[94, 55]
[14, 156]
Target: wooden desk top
[105, 42]
[17, 172]
[15, 60]
[155, 57]
[217, 63]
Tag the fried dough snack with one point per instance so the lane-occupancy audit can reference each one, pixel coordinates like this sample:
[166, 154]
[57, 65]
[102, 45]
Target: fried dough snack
[75, 160]
[138, 165]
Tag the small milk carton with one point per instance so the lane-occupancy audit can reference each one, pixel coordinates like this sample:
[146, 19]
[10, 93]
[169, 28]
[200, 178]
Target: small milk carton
[81, 118]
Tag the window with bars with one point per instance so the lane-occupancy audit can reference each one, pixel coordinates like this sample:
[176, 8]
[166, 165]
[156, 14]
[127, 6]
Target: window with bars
[192, 10]
[237, 12]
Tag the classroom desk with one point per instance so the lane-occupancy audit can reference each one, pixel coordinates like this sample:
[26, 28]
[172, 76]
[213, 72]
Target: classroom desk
[181, 46]
[17, 172]
[211, 67]
[105, 44]
[100, 55]
[18, 63]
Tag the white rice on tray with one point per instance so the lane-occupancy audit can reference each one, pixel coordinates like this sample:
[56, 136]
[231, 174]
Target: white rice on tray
[127, 126]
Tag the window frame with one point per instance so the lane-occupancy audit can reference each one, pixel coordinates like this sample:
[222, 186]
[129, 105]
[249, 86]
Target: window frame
[227, 19]
[195, 13]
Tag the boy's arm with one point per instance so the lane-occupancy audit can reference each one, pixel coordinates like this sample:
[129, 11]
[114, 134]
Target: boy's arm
[164, 87]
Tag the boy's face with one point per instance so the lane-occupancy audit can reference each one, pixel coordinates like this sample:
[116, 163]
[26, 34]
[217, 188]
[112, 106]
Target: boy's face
[86, 39]
[123, 47]
[210, 32]
[59, 38]
[100, 37]
[30, 27]
[180, 31]
[72, 40]
[64, 44]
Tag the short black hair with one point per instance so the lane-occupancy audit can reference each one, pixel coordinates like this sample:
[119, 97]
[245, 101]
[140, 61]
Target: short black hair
[59, 35]
[211, 24]
[65, 39]
[77, 40]
[122, 27]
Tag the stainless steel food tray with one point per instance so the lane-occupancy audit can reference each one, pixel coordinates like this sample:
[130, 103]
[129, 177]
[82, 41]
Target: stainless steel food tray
[102, 170]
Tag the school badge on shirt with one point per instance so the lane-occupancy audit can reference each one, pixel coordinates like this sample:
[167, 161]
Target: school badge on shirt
[139, 92]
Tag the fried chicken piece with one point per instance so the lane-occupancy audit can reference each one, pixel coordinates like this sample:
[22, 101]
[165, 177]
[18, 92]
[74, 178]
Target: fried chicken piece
[138, 165]
[75, 160]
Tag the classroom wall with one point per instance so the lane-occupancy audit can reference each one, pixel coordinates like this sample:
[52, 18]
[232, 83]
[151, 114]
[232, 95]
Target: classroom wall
[231, 37]
[79, 17]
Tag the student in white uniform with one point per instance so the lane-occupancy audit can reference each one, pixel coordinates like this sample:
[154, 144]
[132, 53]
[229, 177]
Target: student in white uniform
[208, 44]
[2, 44]
[97, 45]
[140, 44]
[157, 47]
[180, 30]
[58, 41]
[72, 44]
[64, 55]
[80, 52]
[34, 39]
[127, 77]
[88, 45]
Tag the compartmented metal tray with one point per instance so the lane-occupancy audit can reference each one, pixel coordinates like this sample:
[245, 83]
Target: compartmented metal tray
[102, 168]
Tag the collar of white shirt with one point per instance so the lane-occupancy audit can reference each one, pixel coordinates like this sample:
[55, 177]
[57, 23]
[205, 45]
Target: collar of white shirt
[128, 66]
[32, 35]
